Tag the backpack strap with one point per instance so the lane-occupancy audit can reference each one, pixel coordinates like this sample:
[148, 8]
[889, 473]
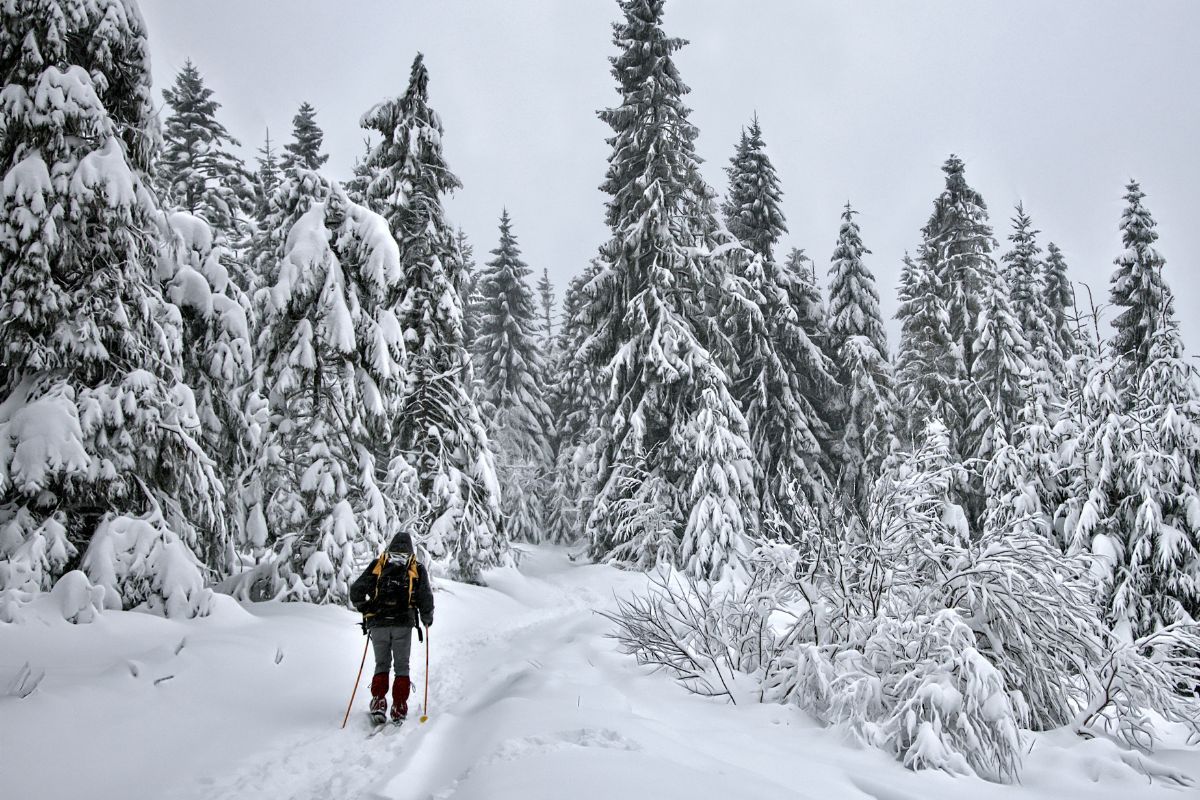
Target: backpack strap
[377, 571]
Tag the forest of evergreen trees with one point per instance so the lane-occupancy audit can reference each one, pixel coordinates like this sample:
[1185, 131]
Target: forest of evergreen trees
[246, 379]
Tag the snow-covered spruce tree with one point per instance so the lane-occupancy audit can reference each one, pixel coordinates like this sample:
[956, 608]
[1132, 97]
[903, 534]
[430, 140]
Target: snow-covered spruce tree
[103, 463]
[857, 335]
[666, 410]
[818, 378]
[1001, 358]
[574, 399]
[773, 361]
[197, 172]
[1078, 414]
[218, 364]
[771, 354]
[1139, 458]
[266, 178]
[332, 358]
[438, 425]
[545, 290]
[927, 364]
[1030, 297]
[752, 211]
[294, 196]
[1028, 494]
[1137, 290]
[356, 187]
[304, 151]
[199, 175]
[1167, 467]
[512, 385]
[470, 288]
[1060, 297]
[958, 243]
[1132, 458]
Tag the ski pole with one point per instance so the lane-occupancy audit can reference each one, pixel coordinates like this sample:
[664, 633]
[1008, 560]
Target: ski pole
[357, 679]
[425, 716]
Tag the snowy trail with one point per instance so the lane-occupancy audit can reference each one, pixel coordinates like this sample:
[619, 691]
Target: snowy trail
[337, 763]
[529, 700]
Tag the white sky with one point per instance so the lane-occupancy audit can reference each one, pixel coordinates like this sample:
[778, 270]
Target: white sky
[1056, 104]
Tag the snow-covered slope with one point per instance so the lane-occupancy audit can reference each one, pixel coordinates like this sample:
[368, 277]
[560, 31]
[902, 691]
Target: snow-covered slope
[528, 700]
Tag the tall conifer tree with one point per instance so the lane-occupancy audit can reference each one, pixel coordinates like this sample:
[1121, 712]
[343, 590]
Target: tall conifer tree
[1060, 297]
[438, 425]
[857, 335]
[1030, 296]
[773, 361]
[574, 397]
[667, 419]
[818, 379]
[304, 151]
[332, 357]
[545, 290]
[103, 465]
[927, 361]
[958, 244]
[1002, 358]
[196, 171]
[752, 210]
[512, 385]
[266, 178]
[1137, 289]
[470, 291]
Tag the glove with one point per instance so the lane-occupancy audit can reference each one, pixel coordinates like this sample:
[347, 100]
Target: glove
[367, 606]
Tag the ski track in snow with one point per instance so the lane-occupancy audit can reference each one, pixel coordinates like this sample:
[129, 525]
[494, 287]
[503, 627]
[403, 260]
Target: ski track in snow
[347, 763]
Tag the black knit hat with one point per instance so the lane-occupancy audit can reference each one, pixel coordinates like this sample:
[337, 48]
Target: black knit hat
[401, 543]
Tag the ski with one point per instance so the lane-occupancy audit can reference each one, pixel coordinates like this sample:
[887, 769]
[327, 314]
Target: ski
[385, 727]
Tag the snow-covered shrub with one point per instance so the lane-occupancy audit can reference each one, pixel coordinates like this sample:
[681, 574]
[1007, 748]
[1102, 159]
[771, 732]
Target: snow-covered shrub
[948, 708]
[917, 688]
[1158, 673]
[140, 562]
[701, 635]
[1030, 608]
[32, 550]
[79, 600]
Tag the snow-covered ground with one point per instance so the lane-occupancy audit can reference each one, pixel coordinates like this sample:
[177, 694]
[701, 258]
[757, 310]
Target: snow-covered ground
[528, 699]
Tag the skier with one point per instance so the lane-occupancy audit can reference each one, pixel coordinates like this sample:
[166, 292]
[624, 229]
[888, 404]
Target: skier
[390, 593]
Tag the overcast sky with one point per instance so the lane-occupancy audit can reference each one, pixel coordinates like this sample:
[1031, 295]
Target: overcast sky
[1056, 104]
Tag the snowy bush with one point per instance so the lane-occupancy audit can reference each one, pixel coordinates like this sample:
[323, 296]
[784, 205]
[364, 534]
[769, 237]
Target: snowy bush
[917, 688]
[702, 636]
[140, 562]
[79, 600]
[1158, 673]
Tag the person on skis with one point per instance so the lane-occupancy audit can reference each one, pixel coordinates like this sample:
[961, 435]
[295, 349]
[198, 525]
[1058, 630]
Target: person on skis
[394, 596]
